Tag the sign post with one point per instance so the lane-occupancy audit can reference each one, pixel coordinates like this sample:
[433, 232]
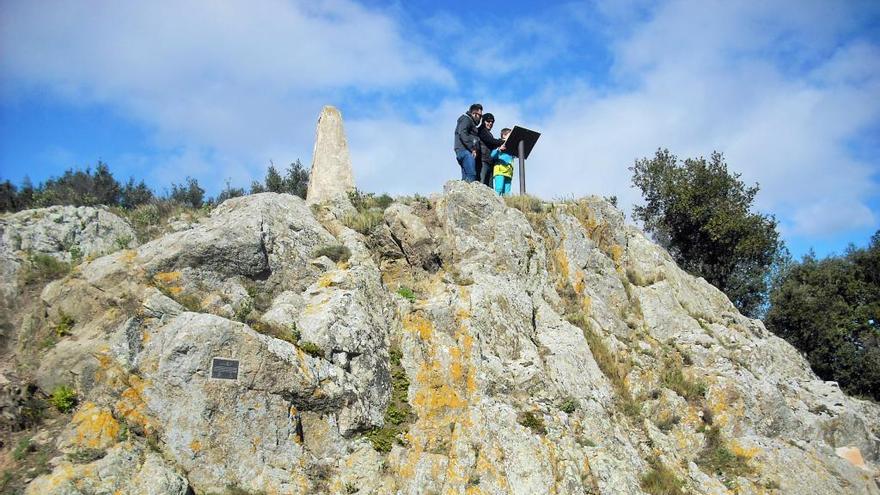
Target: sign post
[520, 143]
[522, 168]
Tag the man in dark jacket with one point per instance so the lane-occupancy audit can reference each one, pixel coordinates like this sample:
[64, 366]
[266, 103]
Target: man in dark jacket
[487, 144]
[467, 142]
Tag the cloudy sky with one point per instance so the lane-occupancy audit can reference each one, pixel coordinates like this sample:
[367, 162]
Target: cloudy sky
[789, 91]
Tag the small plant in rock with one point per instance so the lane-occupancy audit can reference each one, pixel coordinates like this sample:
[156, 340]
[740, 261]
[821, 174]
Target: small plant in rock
[534, 422]
[674, 379]
[336, 252]
[85, 456]
[43, 268]
[406, 293]
[666, 420]
[660, 480]
[65, 325]
[122, 241]
[569, 405]
[719, 459]
[76, 254]
[22, 449]
[63, 398]
[311, 349]
[364, 221]
[525, 204]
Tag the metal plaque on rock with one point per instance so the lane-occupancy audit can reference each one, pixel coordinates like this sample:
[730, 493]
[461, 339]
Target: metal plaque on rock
[224, 369]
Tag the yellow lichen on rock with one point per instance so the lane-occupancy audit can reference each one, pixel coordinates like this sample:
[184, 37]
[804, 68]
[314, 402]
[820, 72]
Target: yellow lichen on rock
[131, 406]
[416, 323]
[94, 427]
[167, 278]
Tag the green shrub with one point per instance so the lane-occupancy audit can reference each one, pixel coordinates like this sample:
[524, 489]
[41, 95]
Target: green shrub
[367, 201]
[719, 459]
[22, 449]
[610, 366]
[311, 349]
[63, 398]
[674, 379]
[44, 268]
[659, 480]
[525, 204]
[399, 413]
[76, 254]
[666, 420]
[569, 405]
[532, 421]
[336, 252]
[364, 221]
[406, 293]
[65, 325]
[122, 241]
[85, 456]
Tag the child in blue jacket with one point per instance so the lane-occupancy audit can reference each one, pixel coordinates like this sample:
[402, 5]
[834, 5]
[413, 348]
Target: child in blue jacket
[502, 172]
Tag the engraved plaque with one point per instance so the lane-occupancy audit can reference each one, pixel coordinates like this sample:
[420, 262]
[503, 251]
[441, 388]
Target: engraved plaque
[224, 369]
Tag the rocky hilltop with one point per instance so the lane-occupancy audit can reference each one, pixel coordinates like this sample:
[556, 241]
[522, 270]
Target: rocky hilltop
[463, 345]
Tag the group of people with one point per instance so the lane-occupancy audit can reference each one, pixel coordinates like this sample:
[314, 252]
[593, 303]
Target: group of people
[480, 155]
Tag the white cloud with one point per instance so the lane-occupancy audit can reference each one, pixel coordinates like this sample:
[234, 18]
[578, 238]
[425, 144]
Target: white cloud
[783, 96]
[228, 81]
[782, 88]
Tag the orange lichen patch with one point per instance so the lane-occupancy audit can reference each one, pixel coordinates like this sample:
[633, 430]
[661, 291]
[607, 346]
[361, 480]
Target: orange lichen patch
[175, 290]
[326, 280]
[742, 451]
[416, 323]
[616, 252]
[167, 278]
[128, 256]
[561, 262]
[587, 304]
[94, 427]
[131, 405]
[195, 446]
[579, 284]
[725, 404]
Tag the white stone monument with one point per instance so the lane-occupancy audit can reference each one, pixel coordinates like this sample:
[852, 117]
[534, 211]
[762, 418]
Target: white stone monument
[331, 173]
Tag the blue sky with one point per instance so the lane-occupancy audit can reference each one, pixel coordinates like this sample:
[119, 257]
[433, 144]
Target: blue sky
[161, 90]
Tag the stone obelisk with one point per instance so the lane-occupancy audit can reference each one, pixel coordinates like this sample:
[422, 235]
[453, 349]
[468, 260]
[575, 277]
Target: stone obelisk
[331, 173]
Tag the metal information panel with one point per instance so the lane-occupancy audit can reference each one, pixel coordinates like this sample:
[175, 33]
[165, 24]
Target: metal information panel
[519, 143]
[224, 369]
[528, 138]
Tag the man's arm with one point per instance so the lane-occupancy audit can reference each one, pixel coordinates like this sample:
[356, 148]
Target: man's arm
[488, 140]
[462, 134]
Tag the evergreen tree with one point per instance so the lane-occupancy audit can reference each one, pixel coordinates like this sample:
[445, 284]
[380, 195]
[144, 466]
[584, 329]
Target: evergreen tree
[830, 310]
[701, 214]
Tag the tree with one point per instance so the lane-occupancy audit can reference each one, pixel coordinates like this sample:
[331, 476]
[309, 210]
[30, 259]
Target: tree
[830, 310]
[133, 195]
[8, 196]
[229, 192]
[297, 179]
[700, 213]
[274, 181]
[189, 194]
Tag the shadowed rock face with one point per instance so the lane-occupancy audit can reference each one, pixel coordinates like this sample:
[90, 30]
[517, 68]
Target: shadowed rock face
[555, 350]
[331, 174]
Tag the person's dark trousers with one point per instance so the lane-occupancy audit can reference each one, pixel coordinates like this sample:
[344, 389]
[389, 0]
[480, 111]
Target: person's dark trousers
[466, 161]
[486, 174]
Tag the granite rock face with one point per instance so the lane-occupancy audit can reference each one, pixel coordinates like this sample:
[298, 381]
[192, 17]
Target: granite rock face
[331, 175]
[464, 346]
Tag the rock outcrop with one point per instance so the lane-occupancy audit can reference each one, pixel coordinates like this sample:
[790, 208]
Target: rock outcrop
[463, 346]
[331, 175]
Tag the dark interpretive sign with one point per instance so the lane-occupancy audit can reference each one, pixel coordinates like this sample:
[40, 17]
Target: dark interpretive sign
[224, 369]
[518, 135]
